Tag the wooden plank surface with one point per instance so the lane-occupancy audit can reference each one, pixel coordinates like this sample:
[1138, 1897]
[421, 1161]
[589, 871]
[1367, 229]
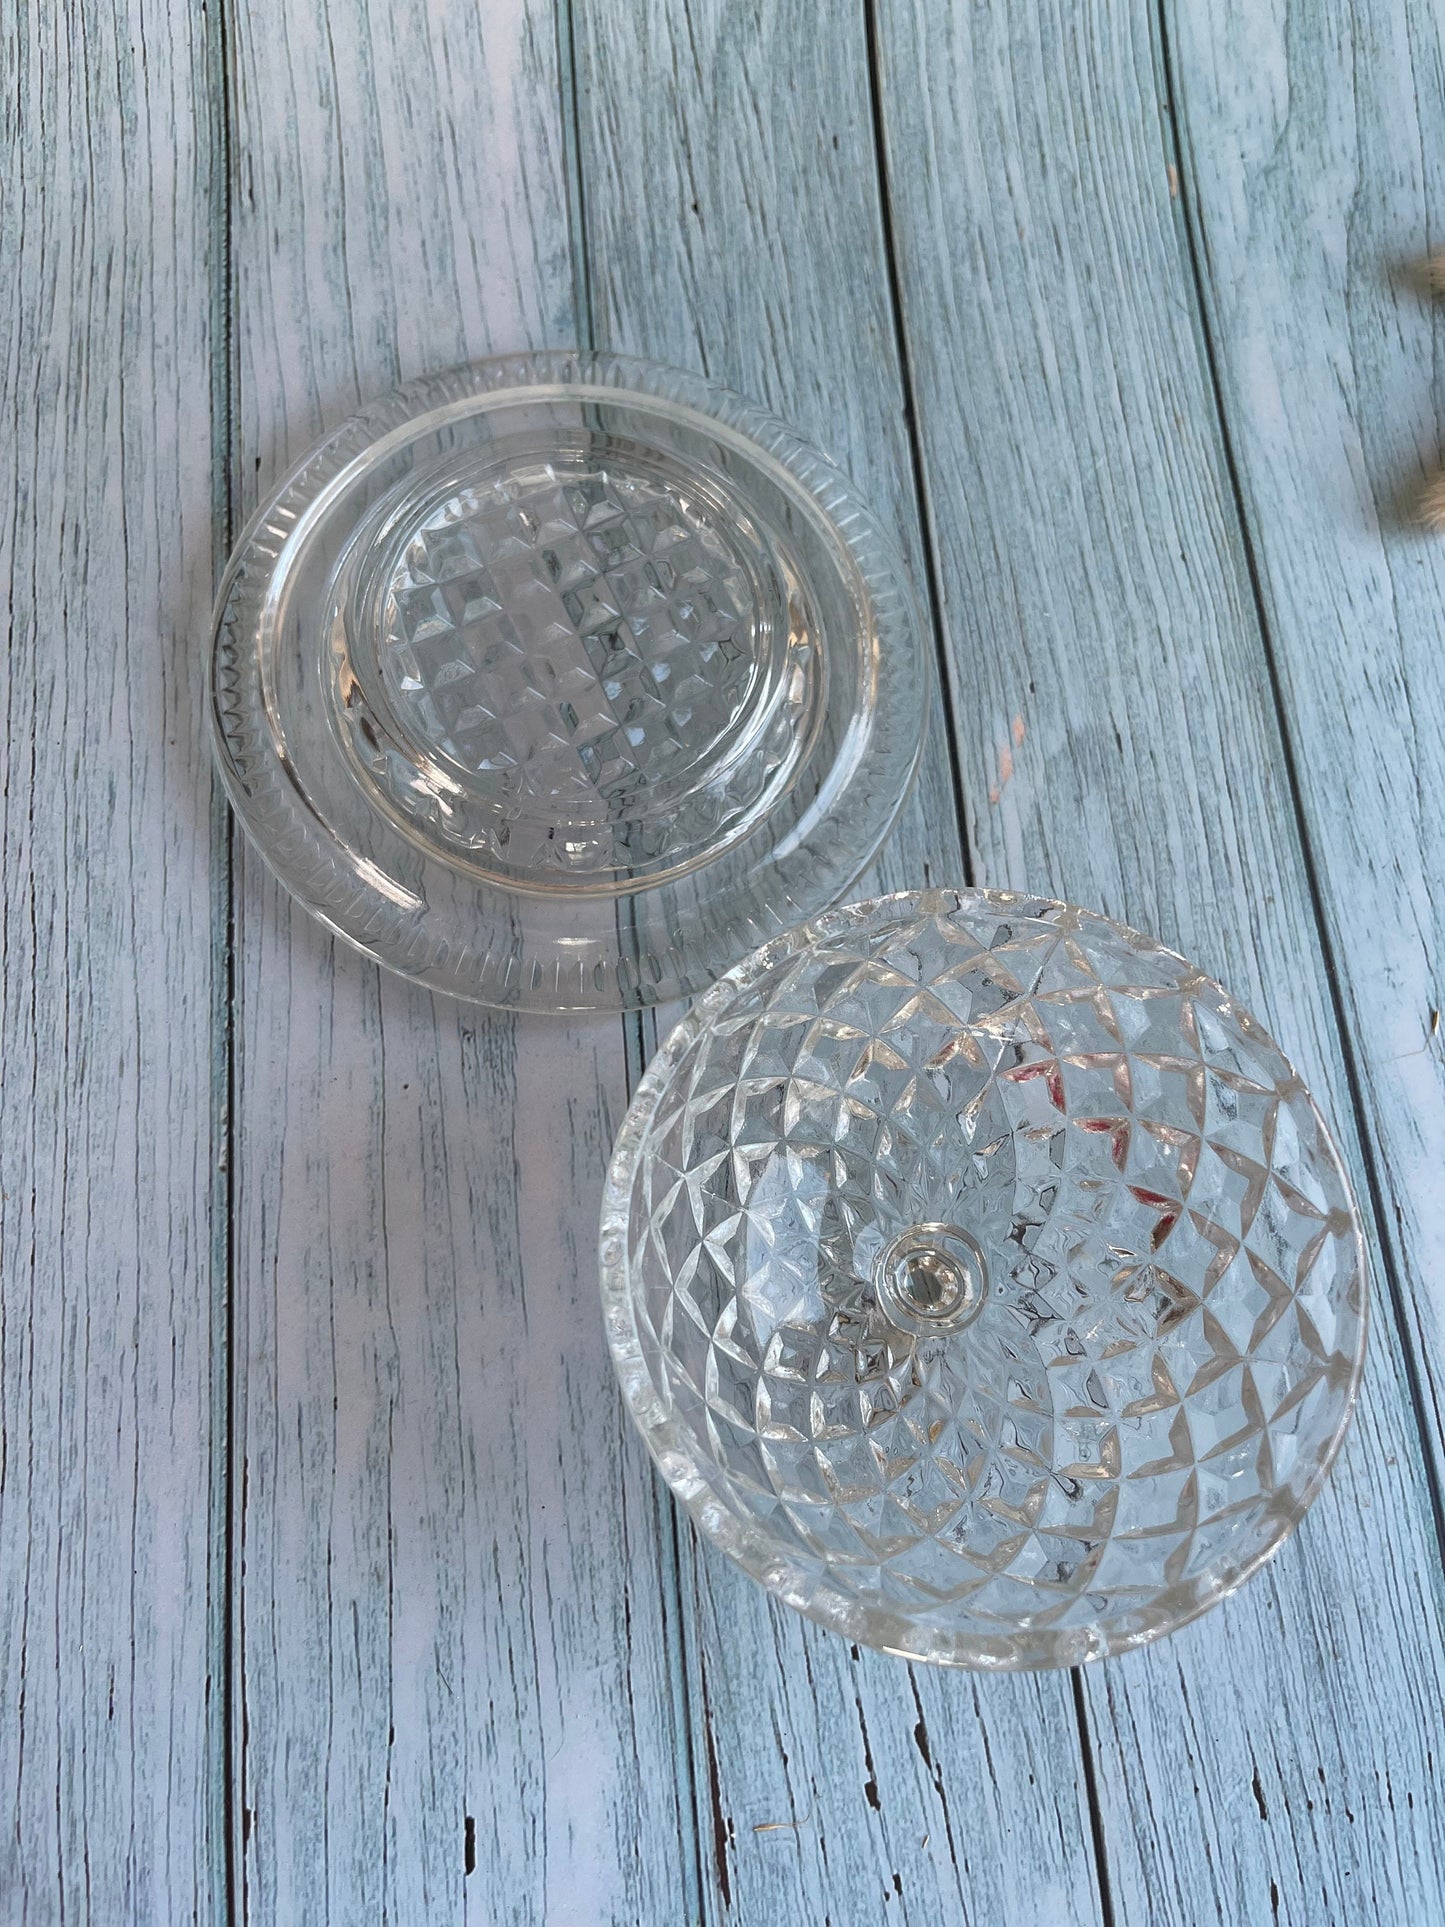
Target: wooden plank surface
[1117, 340]
[734, 225]
[1313, 175]
[1097, 590]
[457, 1657]
[110, 1597]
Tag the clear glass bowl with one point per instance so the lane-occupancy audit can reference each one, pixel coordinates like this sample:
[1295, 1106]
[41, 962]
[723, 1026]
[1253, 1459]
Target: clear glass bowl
[562, 681]
[983, 1279]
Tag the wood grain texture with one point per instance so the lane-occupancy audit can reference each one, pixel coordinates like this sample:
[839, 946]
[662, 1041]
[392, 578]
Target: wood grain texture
[110, 1605]
[734, 225]
[1313, 172]
[457, 1653]
[1113, 705]
[1127, 300]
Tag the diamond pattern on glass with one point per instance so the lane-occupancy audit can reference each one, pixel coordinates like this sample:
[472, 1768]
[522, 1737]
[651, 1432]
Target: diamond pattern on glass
[588, 669]
[437, 844]
[1169, 1341]
[582, 636]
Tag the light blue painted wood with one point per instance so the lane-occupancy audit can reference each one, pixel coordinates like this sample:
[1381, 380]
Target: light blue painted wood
[458, 1590]
[110, 976]
[734, 225]
[455, 1608]
[1312, 172]
[1120, 744]
[1313, 165]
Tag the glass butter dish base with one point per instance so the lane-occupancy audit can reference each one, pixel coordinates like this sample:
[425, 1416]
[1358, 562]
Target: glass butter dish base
[563, 681]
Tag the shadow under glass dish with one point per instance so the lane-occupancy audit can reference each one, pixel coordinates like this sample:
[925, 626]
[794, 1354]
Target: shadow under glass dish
[562, 681]
[983, 1279]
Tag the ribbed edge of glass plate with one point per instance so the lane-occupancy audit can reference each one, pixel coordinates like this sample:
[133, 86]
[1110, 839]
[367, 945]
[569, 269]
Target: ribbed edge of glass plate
[892, 1633]
[267, 800]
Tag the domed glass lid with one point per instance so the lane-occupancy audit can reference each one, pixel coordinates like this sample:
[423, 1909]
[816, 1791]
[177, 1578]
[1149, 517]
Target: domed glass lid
[562, 681]
[983, 1279]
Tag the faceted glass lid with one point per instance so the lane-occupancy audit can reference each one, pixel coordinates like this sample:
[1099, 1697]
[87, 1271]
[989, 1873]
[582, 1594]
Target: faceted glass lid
[983, 1279]
[562, 681]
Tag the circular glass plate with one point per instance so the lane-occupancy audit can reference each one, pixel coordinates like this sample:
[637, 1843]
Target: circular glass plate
[983, 1279]
[562, 681]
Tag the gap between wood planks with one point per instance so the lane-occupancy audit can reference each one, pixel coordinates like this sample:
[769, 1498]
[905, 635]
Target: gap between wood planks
[228, 1797]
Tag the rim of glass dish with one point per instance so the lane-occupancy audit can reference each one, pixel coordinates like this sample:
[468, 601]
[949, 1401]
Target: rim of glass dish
[744, 1543]
[304, 852]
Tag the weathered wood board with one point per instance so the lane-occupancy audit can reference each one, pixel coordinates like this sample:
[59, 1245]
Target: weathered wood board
[1097, 587]
[332, 1585]
[112, 976]
[456, 1645]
